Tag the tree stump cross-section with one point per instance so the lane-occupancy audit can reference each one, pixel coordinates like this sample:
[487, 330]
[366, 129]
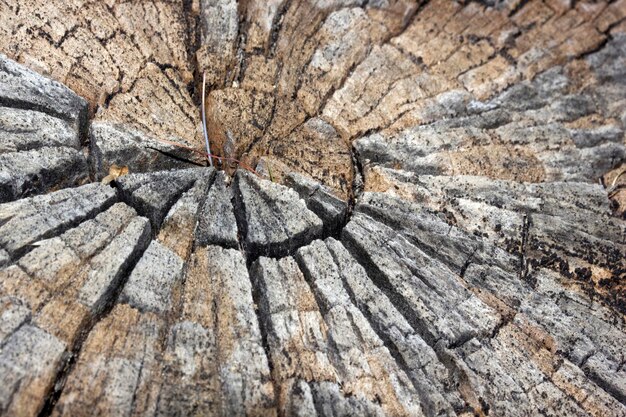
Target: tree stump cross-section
[431, 222]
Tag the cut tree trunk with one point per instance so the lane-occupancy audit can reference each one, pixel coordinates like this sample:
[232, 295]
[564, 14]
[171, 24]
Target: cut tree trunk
[435, 224]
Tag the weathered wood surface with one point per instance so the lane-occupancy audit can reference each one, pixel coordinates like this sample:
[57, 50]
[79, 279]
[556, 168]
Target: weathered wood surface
[440, 229]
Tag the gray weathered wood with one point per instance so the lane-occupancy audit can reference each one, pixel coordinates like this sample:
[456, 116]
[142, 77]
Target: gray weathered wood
[436, 228]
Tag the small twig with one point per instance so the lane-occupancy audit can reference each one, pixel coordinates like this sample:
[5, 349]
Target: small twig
[204, 129]
[614, 188]
[612, 192]
[208, 155]
[617, 177]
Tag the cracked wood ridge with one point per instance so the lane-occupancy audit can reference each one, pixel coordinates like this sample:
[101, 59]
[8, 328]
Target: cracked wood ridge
[438, 227]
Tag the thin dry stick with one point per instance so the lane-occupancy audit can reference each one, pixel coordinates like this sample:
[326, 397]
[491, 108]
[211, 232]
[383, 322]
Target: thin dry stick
[617, 177]
[207, 155]
[204, 130]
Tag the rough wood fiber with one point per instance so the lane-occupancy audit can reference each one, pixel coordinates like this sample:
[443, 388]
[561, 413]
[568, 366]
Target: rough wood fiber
[437, 227]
